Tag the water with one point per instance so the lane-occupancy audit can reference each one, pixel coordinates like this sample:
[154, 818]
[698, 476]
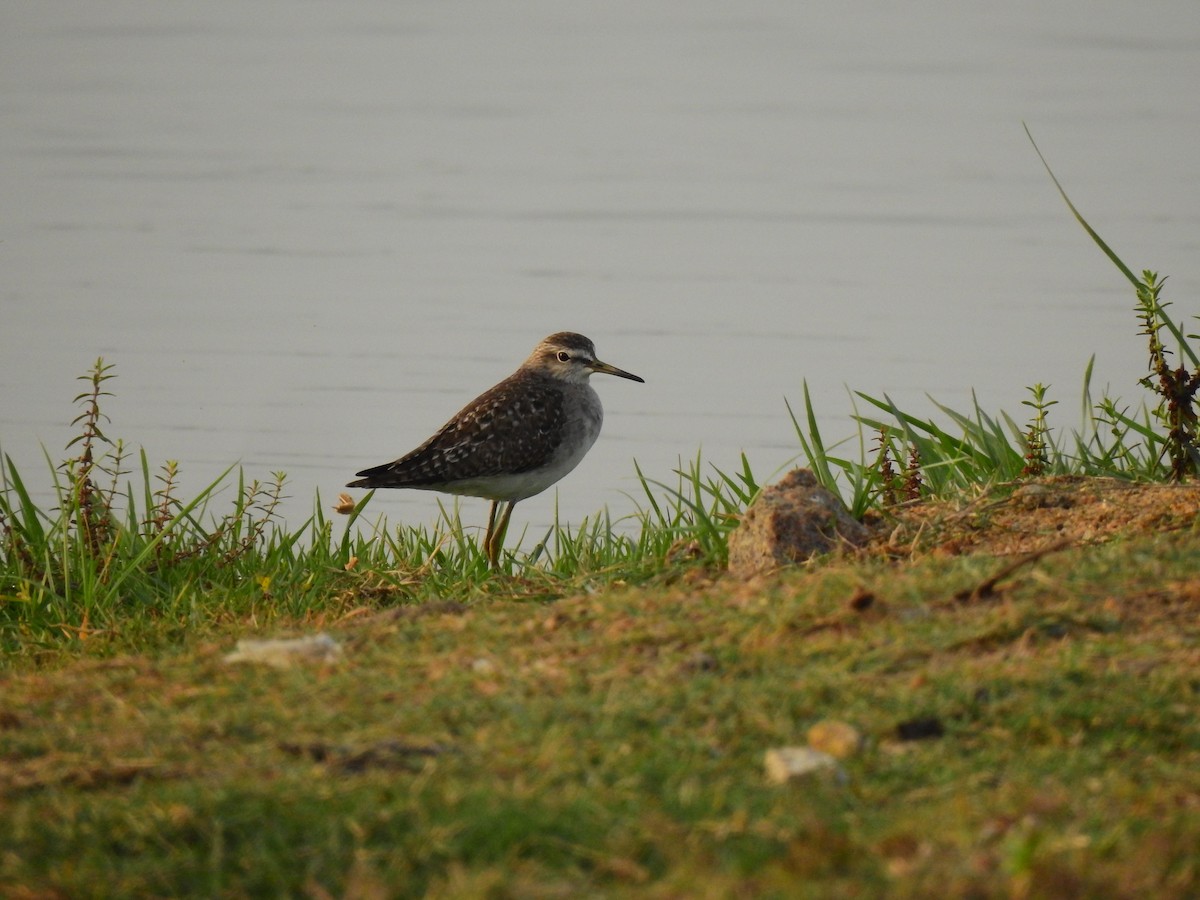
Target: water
[307, 233]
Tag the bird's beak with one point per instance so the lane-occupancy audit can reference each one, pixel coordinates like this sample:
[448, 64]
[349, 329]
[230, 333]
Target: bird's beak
[597, 366]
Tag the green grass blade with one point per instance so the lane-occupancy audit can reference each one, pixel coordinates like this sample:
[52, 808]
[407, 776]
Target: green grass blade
[1133, 279]
[29, 521]
[134, 565]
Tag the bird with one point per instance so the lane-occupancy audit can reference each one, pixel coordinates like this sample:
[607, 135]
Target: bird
[515, 439]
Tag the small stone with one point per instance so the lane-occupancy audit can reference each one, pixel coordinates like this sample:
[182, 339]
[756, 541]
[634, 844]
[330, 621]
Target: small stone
[783, 764]
[790, 522]
[285, 652]
[922, 728]
[840, 740]
[483, 666]
[861, 600]
[701, 662]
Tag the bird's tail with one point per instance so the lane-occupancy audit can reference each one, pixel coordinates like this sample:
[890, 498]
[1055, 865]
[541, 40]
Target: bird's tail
[378, 477]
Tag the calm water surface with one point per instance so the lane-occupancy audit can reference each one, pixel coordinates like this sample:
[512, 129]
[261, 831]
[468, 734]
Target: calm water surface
[307, 233]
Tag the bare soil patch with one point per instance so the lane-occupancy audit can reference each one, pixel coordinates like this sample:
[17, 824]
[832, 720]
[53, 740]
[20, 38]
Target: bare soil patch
[1070, 510]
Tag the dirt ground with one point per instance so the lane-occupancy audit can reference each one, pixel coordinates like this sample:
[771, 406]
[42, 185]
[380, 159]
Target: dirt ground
[1068, 510]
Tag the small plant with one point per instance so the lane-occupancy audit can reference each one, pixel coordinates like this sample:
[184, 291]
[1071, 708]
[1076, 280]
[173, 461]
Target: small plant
[1176, 387]
[92, 505]
[913, 483]
[895, 488]
[165, 503]
[1037, 434]
[889, 481]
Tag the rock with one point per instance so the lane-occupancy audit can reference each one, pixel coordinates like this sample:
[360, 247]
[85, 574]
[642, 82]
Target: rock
[286, 652]
[789, 522]
[840, 740]
[784, 764]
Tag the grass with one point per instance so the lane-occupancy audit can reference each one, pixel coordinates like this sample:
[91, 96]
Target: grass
[593, 722]
[113, 553]
[613, 744]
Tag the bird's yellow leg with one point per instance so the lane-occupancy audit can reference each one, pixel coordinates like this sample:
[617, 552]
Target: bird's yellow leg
[487, 538]
[496, 531]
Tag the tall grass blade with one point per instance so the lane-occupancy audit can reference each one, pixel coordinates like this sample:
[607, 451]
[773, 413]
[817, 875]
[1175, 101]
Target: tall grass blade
[1175, 330]
[1133, 279]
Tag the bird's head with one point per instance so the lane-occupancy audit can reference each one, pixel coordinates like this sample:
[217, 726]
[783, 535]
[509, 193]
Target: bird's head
[572, 357]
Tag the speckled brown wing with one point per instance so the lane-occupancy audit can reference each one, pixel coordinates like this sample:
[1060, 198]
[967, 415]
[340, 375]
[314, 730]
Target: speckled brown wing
[512, 428]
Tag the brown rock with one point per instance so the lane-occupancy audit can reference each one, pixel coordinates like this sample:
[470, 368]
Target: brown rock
[840, 740]
[791, 521]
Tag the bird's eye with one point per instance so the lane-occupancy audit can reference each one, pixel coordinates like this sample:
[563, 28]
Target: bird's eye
[563, 356]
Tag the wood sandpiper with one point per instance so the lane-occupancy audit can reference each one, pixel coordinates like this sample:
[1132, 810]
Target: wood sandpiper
[514, 440]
